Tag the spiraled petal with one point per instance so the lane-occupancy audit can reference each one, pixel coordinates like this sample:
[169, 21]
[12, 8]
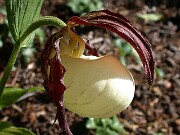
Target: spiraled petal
[118, 24]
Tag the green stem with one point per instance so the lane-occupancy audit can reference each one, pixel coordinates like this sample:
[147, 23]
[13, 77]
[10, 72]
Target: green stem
[9, 66]
[46, 20]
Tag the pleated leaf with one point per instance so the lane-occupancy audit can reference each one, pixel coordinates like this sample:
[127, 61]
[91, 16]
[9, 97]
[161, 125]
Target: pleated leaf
[20, 14]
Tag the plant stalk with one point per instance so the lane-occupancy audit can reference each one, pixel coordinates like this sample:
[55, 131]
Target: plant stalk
[64, 128]
[45, 20]
[9, 66]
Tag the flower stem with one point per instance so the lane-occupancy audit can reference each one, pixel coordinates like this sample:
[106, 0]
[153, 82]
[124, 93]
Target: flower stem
[9, 66]
[46, 20]
[62, 118]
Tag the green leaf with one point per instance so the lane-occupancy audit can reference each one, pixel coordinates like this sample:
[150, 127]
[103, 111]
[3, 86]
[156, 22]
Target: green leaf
[160, 72]
[11, 95]
[20, 14]
[81, 6]
[150, 17]
[4, 125]
[8, 129]
[106, 126]
[34, 89]
[91, 124]
[16, 131]
[28, 40]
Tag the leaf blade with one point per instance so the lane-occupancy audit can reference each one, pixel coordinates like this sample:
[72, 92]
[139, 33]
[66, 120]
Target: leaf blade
[20, 14]
[12, 94]
[8, 129]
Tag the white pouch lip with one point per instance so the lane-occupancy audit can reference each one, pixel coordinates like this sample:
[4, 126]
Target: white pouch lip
[97, 86]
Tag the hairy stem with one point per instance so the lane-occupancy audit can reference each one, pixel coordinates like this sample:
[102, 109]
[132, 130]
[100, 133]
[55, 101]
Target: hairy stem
[46, 20]
[62, 118]
[9, 66]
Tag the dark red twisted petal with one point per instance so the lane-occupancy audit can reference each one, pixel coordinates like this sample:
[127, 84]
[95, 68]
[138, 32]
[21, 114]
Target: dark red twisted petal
[54, 80]
[117, 23]
[53, 84]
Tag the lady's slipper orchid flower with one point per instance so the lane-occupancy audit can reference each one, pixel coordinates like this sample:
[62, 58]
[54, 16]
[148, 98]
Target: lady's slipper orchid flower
[92, 86]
